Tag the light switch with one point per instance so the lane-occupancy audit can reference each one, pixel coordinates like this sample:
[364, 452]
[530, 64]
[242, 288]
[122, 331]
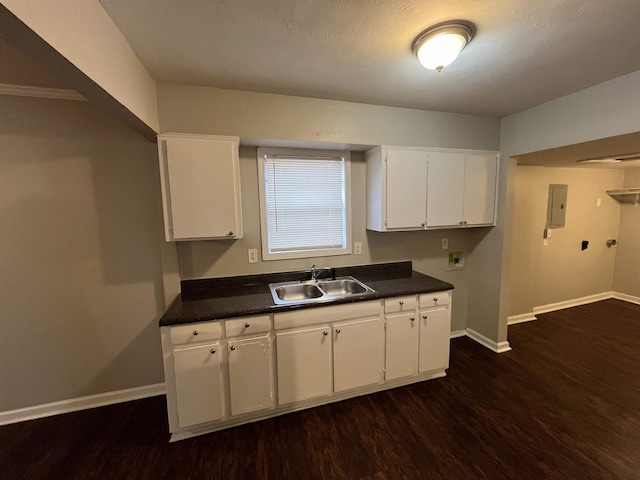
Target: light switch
[357, 248]
[253, 255]
[445, 243]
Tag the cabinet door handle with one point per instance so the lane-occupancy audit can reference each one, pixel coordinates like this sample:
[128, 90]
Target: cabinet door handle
[413, 319]
[213, 350]
[246, 325]
[232, 347]
[338, 331]
[195, 332]
[325, 333]
[435, 299]
[230, 234]
[425, 316]
[401, 303]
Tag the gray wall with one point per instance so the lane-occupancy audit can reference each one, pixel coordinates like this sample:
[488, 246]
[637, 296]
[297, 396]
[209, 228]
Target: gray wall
[267, 116]
[599, 112]
[81, 284]
[561, 271]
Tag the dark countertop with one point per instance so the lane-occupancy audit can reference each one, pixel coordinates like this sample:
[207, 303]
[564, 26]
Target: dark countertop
[218, 298]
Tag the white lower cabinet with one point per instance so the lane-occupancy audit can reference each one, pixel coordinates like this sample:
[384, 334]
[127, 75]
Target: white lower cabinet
[228, 372]
[198, 384]
[357, 354]
[401, 348]
[435, 333]
[250, 374]
[304, 364]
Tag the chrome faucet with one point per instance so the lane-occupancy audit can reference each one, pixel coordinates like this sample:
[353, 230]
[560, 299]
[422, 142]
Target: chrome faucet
[317, 271]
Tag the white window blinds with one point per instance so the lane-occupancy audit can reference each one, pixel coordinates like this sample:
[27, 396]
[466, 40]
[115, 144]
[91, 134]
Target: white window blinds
[305, 203]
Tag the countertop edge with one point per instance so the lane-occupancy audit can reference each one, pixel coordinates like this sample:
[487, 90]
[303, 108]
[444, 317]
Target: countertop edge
[182, 311]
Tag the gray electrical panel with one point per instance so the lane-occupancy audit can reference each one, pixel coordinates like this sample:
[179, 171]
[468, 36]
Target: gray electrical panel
[557, 206]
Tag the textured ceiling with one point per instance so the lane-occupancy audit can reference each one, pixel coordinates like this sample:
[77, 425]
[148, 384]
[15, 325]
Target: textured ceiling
[525, 52]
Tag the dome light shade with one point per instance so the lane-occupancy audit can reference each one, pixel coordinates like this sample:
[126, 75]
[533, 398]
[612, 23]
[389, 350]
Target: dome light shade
[438, 46]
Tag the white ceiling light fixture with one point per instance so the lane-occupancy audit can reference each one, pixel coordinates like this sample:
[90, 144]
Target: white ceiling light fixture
[439, 46]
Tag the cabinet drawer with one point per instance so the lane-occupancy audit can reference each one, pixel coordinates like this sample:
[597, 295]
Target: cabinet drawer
[435, 299]
[333, 313]
[400, 304]
[248, 325]
[195, 332]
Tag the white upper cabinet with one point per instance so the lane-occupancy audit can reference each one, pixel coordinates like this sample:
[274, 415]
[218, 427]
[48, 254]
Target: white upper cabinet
[480, 174]
[396, 189]
[461, 189]
[200, 176]
[418, 188]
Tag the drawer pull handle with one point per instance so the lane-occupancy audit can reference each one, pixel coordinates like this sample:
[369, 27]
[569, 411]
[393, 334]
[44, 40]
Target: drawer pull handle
[232, 347]
[195, 332]
[401, 303]
[246, 325]
[435, 299]
[213, 350]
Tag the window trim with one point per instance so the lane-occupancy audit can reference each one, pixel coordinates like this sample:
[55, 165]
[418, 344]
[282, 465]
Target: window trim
[346, 156]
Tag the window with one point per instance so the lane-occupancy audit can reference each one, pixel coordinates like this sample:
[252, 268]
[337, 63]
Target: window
[305, 204]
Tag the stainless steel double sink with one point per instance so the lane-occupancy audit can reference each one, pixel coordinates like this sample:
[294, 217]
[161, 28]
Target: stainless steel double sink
[315, 291]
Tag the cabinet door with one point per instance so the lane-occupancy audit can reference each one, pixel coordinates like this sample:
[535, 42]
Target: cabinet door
[198, 384]
[435, 338]
[357, 354]
[201, 188]
[445, 191]
[480, 189]
[401, 346]
[406, 198]
[303, 364]
[250, 381]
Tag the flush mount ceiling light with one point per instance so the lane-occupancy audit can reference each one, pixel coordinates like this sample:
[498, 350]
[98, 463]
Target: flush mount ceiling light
[440, 45]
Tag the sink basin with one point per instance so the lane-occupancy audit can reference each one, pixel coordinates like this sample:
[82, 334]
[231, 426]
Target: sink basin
[345, 286]
[312, 291]
[298, 291]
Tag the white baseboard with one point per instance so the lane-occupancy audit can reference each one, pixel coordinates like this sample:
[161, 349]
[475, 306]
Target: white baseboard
[81, 403]
[458, 333]
[487, 342]
[552, 307]
[119, 396]
[626, 298]
[525, 317]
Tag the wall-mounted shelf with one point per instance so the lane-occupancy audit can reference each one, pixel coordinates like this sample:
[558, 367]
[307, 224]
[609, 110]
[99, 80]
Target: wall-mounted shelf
[626, 195]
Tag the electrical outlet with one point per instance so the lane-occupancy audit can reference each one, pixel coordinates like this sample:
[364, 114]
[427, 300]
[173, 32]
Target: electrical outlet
[598, 201]
[445, 243]
[545, 242]
[357, 248]
[253, 255]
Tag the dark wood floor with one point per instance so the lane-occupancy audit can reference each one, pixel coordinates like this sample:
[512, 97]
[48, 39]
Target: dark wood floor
[564, 404]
